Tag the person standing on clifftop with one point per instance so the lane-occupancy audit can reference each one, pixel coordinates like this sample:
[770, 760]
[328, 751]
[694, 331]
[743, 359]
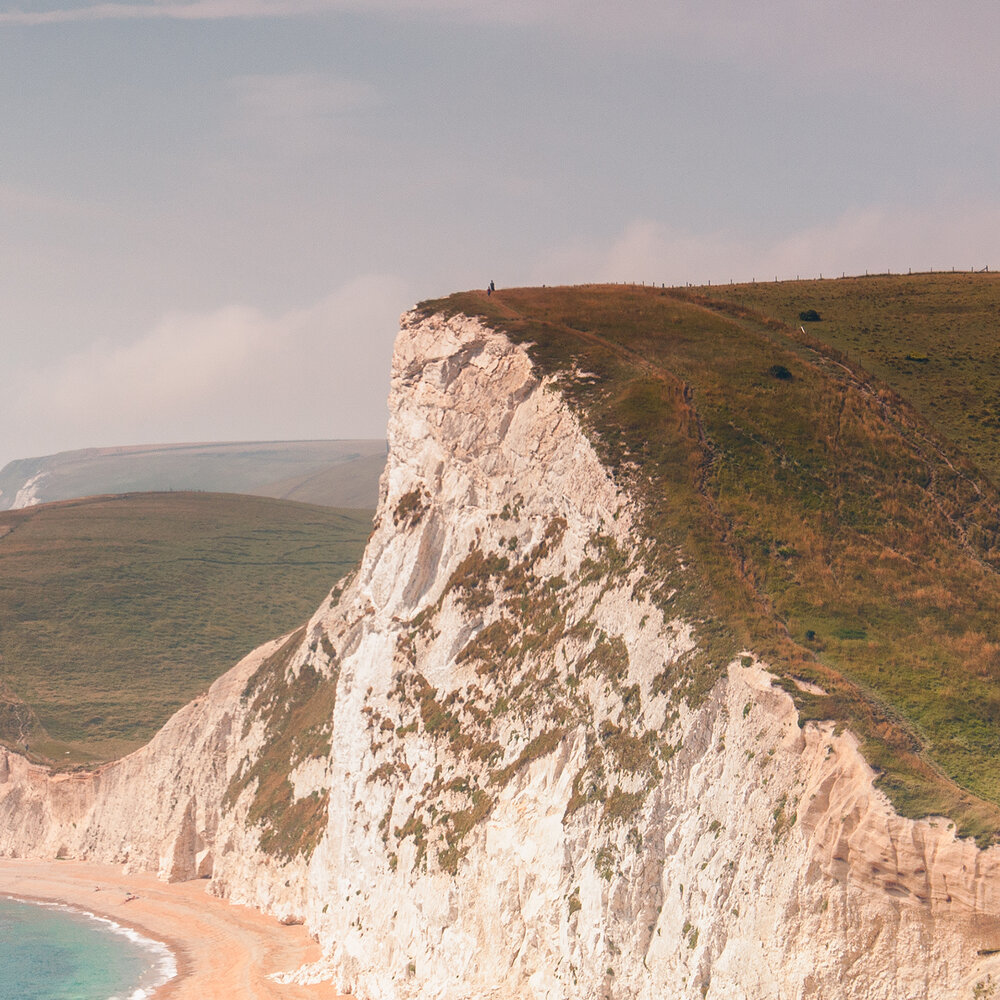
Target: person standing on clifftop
[490, 288]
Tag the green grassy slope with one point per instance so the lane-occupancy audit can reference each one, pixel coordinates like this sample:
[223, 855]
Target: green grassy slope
[932, 337]
[115, 611]
[794, 503]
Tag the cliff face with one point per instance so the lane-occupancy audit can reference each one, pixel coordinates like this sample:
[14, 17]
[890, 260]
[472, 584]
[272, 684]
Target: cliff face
[492, 765]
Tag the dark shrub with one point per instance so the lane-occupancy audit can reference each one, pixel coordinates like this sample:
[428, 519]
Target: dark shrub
[809, 316]
[779, 371]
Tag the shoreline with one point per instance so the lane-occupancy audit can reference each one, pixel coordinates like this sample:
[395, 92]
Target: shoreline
[166, 955]
[222, 951]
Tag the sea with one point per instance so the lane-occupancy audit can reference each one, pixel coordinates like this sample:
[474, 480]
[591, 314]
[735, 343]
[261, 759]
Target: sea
[52, 952]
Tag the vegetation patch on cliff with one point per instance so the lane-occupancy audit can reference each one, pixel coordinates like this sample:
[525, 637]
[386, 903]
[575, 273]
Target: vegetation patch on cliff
[535, 673]
[296, 711]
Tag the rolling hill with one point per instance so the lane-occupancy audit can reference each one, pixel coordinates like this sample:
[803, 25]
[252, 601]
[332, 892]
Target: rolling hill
[329, 473]
[117, 610]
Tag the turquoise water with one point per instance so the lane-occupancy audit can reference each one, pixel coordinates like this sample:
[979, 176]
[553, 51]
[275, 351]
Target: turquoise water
[53, 953]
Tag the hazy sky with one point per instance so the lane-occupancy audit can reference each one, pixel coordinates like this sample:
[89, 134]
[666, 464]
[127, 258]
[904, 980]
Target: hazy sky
[212, 212]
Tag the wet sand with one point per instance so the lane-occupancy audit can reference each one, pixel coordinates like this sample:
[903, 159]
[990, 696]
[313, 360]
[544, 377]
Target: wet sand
[223, 952]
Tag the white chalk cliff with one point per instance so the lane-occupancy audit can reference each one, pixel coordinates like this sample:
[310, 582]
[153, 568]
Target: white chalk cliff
[481, 770]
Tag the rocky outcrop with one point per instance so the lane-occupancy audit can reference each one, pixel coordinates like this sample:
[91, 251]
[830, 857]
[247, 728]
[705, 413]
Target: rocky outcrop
[496, 765]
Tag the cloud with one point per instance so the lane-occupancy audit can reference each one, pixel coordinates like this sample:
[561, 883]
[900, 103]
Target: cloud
[213, 10]
[29, 202]
[921, 47]
[297, 110]
[301, 95]
[875, 238]
[234, 373]
[880, 238]
[924, 44]
[160, 9]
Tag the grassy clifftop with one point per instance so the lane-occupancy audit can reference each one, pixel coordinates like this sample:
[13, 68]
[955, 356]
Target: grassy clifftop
[824, 497]
[932, 337]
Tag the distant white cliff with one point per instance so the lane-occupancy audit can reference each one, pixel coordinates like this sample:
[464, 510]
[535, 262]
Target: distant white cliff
[27, 495]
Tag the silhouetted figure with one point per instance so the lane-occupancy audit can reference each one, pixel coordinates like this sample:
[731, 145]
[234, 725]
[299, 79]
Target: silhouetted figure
[491, 288]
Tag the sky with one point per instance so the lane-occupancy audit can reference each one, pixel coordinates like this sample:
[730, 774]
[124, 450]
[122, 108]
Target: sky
[213, 212]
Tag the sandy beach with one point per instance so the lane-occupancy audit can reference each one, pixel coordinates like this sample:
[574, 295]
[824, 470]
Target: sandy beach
[223, 952]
